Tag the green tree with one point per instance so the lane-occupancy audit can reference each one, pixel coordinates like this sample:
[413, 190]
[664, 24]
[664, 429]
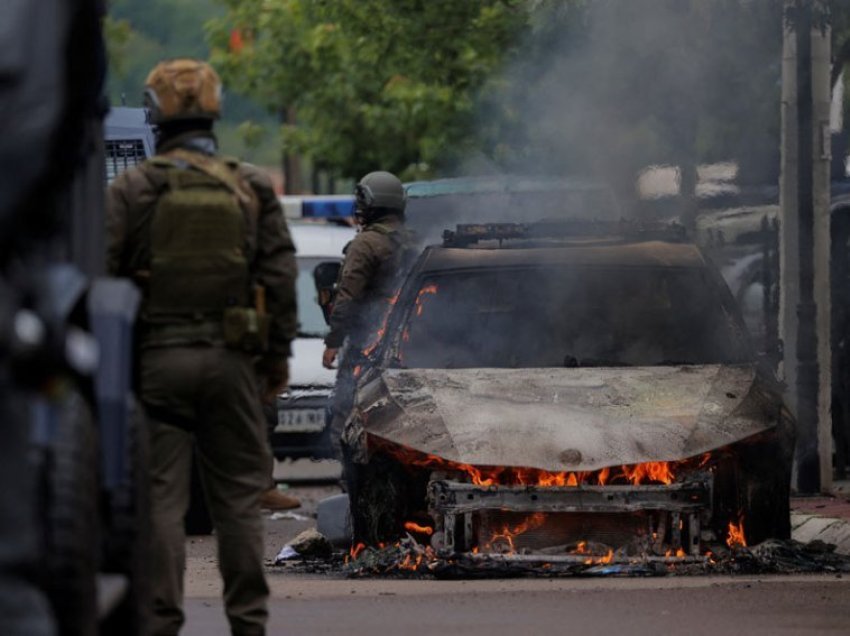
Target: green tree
[117, 35]
[140, 33]
[150, 30]
[368, 84]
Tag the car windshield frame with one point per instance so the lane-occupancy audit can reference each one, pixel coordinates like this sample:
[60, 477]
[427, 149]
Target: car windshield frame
[388, 354]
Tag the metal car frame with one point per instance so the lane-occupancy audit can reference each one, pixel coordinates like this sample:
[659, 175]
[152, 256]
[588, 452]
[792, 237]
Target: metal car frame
[685, 509]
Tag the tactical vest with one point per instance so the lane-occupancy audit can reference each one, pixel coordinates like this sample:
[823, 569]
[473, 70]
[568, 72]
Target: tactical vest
[371, 310]
[200, 281]
[393, 271]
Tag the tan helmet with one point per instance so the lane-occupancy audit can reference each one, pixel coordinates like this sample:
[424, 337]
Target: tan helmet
[183, 89]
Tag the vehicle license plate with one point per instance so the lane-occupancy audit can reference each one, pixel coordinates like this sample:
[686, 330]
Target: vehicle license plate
[300, 421]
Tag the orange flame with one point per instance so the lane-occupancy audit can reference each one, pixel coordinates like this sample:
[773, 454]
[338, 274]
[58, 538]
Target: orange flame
[507, 533]
[735, 538]
[600, 560]
[635, 474]
[419, 307]
[660, 472]
[379, 333]
[412, 526]
[412, 562]
[356, 550]
[420, 297]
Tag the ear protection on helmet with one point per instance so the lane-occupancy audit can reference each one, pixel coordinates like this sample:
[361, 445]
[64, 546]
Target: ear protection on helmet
[363, 196]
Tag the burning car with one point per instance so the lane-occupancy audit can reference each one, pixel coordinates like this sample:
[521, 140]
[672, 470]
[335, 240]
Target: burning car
[574, 390]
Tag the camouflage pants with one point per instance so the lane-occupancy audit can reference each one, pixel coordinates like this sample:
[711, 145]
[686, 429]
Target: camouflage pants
[207, 397]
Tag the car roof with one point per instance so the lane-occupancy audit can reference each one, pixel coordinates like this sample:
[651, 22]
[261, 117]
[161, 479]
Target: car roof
[434, 205]
[320, 240]
[580, 254]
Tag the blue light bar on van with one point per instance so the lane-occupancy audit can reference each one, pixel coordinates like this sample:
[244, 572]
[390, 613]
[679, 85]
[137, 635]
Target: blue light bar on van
[318, 207]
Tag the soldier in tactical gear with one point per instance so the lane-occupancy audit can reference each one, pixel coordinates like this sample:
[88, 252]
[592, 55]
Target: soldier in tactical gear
[205, 239]
[370, 274]
[370, 269]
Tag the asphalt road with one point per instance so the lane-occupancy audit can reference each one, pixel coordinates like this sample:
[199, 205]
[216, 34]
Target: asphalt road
[310, 604]
[694, 606]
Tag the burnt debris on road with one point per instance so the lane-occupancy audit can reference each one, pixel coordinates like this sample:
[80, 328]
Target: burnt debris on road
[408, 558]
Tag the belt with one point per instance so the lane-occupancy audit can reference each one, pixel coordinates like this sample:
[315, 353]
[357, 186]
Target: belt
[182, 333]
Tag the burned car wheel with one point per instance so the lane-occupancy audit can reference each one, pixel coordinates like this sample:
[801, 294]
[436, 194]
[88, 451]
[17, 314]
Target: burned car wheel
[381, 493]
[766, 510]
[764, 486]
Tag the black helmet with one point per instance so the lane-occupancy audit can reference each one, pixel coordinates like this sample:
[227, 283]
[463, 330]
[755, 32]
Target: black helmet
[378, 194]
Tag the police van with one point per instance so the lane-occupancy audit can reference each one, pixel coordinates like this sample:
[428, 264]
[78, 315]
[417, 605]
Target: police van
[128, 139]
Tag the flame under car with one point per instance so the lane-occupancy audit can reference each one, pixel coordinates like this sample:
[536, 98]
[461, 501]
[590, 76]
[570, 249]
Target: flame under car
[589, 399]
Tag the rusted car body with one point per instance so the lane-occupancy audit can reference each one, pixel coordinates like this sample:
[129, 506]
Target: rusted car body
[565, 391]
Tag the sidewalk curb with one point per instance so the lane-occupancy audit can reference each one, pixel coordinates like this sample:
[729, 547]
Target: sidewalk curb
[808, 527]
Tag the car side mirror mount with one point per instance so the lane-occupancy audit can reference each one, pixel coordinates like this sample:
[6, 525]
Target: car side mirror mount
[325, 276]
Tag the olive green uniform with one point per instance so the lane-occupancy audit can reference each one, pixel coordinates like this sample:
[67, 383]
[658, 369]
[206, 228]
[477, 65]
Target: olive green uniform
[196, 389]
[367, 280]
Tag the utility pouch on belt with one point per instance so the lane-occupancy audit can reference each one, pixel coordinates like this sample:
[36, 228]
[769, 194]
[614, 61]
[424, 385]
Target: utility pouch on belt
[246, 329]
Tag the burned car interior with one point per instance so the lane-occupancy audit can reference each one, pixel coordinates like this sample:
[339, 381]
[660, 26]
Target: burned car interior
[573, 394]
[568, 316]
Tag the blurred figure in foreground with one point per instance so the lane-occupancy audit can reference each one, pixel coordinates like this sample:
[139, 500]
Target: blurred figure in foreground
[51, 79]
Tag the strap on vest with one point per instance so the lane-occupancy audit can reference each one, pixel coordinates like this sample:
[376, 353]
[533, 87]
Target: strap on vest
[215, 168]
[381, 228]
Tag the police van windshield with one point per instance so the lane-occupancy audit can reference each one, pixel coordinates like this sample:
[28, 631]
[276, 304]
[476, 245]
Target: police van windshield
[583, 316]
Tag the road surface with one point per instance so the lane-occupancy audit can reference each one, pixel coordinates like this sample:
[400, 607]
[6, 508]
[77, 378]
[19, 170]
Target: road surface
[658, 607]
[717, 606]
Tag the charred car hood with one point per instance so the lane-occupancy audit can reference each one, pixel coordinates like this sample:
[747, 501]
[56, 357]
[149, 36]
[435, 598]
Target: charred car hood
[564, 419]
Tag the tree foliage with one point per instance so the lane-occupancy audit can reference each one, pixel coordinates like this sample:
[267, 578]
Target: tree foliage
[535, 85]
[140, 33]
[427, 87]
[368, 84]
[117, 35]
[143, 32]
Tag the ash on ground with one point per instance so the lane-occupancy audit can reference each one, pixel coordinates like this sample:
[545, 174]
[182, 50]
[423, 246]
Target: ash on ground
[410, 559]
